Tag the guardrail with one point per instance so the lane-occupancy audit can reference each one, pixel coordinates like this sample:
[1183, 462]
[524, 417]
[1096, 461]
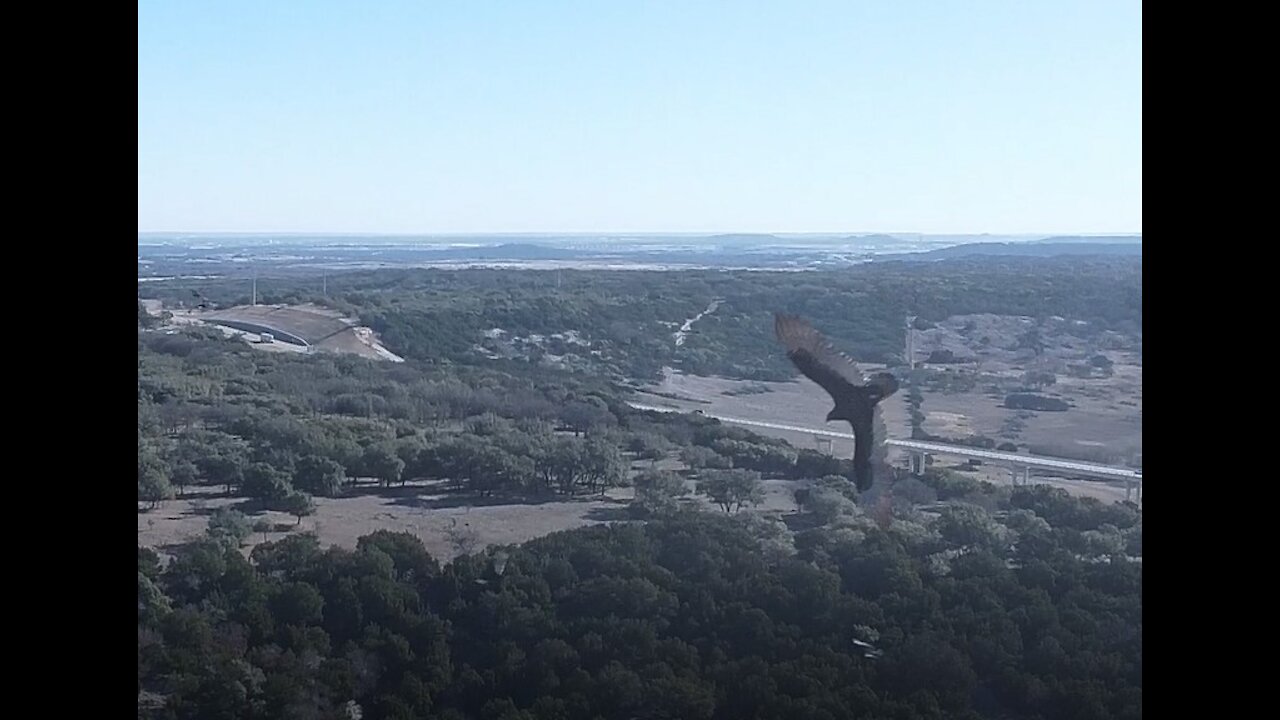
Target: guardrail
[921, 448]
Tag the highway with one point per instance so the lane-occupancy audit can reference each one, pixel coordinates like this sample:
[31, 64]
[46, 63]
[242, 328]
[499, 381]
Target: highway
[741, 421]
[1034, 461]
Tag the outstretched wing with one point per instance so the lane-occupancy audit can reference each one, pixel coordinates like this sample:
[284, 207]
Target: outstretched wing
[881, 385]
[816, 358]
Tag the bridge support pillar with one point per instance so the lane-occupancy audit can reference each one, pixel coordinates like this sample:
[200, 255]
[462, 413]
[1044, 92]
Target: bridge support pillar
[823, 443]
[1021, 475]
[916, 463]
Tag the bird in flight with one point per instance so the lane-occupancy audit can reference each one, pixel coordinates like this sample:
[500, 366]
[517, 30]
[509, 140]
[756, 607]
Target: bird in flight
[857, 397]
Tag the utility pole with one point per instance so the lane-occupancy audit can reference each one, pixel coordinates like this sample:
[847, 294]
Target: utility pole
[255, 288]
[911, 348]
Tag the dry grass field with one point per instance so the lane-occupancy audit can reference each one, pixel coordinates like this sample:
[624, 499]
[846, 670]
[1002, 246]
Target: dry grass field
[447, 524]
[444, 523]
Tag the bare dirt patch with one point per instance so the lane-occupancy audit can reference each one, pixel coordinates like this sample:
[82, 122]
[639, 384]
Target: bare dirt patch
[358, 341]
[1090, 424]
[434, 517]
[1098, 373]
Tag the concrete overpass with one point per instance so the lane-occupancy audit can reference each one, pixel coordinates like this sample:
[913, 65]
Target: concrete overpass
[918, 451]
[258, 328]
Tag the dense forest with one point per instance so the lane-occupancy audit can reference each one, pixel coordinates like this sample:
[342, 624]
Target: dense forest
[1031, 609]
[932, 597]
[627, 318]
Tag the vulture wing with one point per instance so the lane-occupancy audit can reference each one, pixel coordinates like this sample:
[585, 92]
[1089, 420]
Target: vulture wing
[816, 358]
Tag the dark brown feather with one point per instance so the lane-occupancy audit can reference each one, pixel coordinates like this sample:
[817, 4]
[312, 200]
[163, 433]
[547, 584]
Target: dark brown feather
[800, 338]
[855, 396]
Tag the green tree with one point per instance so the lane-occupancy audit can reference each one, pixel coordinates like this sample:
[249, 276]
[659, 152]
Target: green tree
[456, 459]
[153, 480]
[828, 499]
[299, 504]
[265, 483]
[152, 602]
[498, 469]
[964, 525]
[649, 446]
[698, 457]
[732, 489]
[148, 562]
[383, 463]
[183, 474]
[319, 475]
[602, 465]
[298, 603]
[225, 470]
[657, 491]
[408, 555]
[584, 417]
[264, 526]
[425, 463]
[229, 524]
[557, 463]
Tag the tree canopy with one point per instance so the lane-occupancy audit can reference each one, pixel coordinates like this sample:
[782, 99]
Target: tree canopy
[924, 598]
[684, 616]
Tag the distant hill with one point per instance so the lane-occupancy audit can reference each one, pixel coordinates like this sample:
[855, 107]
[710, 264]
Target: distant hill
[506, 251]
[745, 239]
[1092, 240]
[518, 251]
[878, 239]
[1049, 247]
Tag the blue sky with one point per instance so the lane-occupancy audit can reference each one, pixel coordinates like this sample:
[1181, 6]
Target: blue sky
[624, 116]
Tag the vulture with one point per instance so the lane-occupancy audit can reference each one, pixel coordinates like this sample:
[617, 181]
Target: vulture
[856, 397]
